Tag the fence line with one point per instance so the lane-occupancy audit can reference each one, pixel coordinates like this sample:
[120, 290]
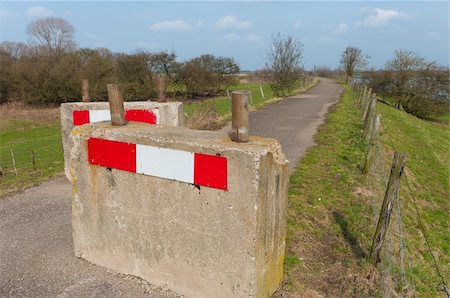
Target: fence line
[29, 153]
[367, 104]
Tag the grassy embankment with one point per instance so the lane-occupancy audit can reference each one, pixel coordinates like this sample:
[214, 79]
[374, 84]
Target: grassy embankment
[333, 207]
[24, 130]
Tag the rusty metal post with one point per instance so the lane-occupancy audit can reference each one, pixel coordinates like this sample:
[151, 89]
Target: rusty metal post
[161, 89]
[85, 90]
[239, 117]
[116, 105]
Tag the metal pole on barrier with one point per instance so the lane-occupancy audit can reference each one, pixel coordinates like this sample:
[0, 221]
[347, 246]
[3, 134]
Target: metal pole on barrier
[161, 89]
[116, 106]
[239, 117]
[85, 90]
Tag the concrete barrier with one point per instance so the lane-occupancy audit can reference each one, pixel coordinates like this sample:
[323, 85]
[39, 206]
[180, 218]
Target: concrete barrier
[187, 209]
[78, 113]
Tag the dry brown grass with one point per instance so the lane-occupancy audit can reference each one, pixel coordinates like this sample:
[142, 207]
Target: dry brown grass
[32, 115]
[204, 118]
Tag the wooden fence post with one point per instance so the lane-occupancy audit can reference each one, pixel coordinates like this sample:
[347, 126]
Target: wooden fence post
[367, 105]
[390, 197]
[372, 143]
[362, 95]
[116, 105]
[239, 117]
[33, 159]
[14, 162]
[85, 90]
[370, 116]
[262, 92]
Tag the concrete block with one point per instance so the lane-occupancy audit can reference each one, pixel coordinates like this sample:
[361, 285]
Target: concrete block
[223, 237]
[169, 113]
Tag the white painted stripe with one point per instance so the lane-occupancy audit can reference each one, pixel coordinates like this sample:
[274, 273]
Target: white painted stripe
[99, 115]
[165, 163]
[158, 118]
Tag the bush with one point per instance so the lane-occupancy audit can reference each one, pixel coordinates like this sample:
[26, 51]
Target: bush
[208, 75]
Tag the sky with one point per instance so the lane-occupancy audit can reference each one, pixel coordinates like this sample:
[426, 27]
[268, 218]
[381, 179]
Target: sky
[244, 30]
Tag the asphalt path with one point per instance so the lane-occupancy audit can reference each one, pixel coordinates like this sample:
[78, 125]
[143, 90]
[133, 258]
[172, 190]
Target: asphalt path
[36, 251]
[294, 121]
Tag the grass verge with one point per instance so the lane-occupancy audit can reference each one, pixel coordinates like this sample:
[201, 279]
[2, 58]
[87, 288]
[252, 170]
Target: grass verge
[30, 153]
[333, 208]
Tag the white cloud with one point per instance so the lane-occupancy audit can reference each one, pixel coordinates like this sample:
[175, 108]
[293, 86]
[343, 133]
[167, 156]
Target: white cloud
[341, 28]
[200, 24]
[177, 25]
[246, 38]
[38, 11]
[381, 17]
[232, 22]
[298, 24]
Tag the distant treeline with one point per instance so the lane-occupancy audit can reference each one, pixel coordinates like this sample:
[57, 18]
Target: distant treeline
[38, 75]
[422, 92]
[49, 69]
[407, 81]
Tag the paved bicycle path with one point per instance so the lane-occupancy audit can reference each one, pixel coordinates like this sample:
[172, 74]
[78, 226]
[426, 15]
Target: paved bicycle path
[36, 251]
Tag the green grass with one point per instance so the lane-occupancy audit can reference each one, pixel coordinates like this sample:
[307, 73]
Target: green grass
[222, 103]
[427, 146]
[442, 118]
[22, 137]
[332, 206]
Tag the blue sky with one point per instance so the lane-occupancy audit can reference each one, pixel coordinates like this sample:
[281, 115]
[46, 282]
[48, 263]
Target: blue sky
[243, 30]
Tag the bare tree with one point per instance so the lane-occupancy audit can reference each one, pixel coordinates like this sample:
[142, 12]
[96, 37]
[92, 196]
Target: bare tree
[285, 62]
[352, 60]
[419, 87]
[53, 34]
[404, 66]
[406, 61]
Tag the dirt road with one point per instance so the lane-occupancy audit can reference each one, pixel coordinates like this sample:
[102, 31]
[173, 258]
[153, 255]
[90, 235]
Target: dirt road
[36, 252]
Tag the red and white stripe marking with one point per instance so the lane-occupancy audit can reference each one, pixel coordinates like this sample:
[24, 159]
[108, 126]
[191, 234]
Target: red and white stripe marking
[81, 117]
[184, 166]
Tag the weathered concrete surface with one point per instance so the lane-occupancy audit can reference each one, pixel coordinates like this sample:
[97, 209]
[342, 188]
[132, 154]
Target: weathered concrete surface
[200, 241]
[36, 251]
[170, 113]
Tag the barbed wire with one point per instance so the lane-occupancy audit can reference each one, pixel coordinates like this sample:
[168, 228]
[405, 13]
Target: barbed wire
[27, 153]
[403, 248]
[442, 286]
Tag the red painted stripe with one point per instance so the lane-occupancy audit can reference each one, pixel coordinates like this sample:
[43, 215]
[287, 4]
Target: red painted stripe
[145, 116]
[80, 117]
[211, 171]
[112, 154]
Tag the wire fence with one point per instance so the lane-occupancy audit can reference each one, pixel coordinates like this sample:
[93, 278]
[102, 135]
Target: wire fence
[29, 156]
[396, 266]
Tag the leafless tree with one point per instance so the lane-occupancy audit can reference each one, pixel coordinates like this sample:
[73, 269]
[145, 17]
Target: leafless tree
[352, 60]
[404, 66]
[52, 34]
[406, 61]
[285, 62]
